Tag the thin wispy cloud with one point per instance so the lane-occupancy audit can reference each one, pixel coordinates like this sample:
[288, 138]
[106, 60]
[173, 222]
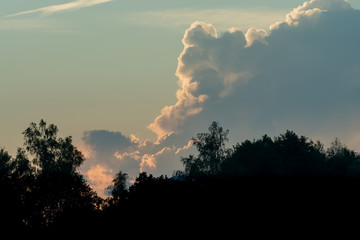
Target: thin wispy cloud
[62, 7]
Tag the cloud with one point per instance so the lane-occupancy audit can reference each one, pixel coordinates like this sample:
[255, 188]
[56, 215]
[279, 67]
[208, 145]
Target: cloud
[108, 152]
[155, 157]
[313, 8]
[106, 142]
[100, 178]
[301, 74]
[62, 7]
[100, 148]
[200, 77]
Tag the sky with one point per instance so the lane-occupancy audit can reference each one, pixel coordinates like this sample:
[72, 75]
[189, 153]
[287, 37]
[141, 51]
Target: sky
[133, 81]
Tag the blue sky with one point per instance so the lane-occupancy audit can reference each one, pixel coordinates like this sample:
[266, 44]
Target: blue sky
[141, 78]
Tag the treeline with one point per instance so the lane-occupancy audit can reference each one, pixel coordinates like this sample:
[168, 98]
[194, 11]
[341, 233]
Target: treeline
[43, 191]
[286, 155]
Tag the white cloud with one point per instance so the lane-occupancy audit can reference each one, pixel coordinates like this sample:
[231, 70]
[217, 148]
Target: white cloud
[313, 8]
[259, 82]
[255, 34]
[302, 75]
[62, 7]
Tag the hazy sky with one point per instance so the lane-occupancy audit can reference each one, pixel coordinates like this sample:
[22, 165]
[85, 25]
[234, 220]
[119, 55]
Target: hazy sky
[104, 71]
[106, 66]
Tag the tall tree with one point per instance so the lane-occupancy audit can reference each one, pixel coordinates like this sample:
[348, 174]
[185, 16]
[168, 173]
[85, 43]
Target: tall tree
[59, 187]
[50, 153]
[119, 189]
[212, 151]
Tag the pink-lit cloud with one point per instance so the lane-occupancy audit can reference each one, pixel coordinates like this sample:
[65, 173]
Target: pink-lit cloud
[100, 178]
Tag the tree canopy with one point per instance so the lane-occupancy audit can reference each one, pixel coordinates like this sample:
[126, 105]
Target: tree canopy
[50, 153]
[44, 179]
[212, 152]
[43, 189]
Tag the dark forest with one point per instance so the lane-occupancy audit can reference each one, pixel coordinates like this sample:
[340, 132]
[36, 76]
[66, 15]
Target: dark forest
[289, 176]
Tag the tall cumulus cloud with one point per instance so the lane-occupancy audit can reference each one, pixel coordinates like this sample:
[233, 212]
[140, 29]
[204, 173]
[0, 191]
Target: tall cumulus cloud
[299, 68]
[302, 73]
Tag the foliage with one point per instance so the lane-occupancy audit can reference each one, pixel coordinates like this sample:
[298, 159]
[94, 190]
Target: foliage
[342, 161]
[212, 152]
[6, 167]
[119, 189]
[286, 155]
[43, 178]
[50, 153]
[43, 190]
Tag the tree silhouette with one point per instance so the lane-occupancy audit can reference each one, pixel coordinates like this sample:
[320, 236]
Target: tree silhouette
[42, 188]
[256, 158]
[50, 153]
[119, 189]
[6, 166]
[286, 155]
[299, 155]
[342, 161]
[59, 187]
[212, 152]
[23, 170]
[8, 198]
